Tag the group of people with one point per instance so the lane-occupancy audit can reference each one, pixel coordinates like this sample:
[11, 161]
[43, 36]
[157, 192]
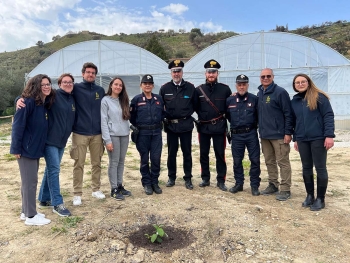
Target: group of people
[99, 120]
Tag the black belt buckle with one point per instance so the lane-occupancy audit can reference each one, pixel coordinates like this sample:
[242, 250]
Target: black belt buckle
[175, 121]
[213, 122]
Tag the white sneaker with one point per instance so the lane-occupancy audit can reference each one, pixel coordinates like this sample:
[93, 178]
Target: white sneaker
[37, 221]
[77, 200]
[23, 216]
[98, 195]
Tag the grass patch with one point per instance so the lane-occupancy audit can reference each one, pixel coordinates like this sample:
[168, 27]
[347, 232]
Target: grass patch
[67, 222]
[9, 157]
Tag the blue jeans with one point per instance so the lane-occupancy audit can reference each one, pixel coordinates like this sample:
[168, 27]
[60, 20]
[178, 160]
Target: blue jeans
[50, 186]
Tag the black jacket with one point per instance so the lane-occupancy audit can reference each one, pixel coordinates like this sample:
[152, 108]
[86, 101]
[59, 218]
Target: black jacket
[217, 93]
[275, 113]
[312, 125]
[61, 119]
[88, 98]
[179, 101]
[146, 112]
[242, 112]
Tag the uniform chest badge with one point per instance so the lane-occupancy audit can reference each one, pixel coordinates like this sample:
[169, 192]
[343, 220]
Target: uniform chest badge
[97, 96]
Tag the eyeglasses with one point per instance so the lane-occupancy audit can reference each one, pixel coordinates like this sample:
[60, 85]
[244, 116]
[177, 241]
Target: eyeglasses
[46, 85]
[67, 82]
[300, 82]
[90, 72]
[265, 76]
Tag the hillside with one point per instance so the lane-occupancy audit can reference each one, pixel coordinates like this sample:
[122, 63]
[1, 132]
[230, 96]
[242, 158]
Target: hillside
[335, 35]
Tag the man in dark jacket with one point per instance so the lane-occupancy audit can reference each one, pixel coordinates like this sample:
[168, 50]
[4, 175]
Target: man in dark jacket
[211, 108]
[275, 129]
[87, 132]
[179, 100]
[242, 113]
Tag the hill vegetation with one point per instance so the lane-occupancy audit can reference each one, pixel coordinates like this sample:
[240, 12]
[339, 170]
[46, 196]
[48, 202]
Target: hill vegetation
[166, 44]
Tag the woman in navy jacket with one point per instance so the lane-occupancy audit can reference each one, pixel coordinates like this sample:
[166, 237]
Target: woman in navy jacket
[29, 132]
[147, 113]
[313, 136]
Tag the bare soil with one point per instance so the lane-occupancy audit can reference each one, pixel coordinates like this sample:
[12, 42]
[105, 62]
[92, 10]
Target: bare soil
[204, 225]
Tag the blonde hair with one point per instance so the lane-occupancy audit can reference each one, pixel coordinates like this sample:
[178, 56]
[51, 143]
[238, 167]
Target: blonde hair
[312, 92]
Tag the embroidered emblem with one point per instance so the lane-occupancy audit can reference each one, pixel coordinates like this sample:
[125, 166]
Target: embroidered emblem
[212, 63]
[177, 62]
[268, 99]
[73, 108]
[97, 96]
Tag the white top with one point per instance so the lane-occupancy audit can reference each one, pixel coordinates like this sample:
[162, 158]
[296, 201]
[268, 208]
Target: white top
[112, 122]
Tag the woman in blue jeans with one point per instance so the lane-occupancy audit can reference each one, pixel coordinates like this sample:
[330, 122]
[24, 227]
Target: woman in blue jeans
[313, 136]
[61, 120]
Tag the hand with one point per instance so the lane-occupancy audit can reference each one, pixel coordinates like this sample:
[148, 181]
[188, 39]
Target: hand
[20, 104]
[287, 138]
[296, 146]
[328, 143]
[109, 147]
[233, 93]
[17, 156]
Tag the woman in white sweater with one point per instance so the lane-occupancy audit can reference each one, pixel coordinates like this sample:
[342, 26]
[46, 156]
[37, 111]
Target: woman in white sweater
[115, 117]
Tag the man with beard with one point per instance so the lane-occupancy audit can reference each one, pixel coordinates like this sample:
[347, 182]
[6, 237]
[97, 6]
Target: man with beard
[179, 100]
[211, 108]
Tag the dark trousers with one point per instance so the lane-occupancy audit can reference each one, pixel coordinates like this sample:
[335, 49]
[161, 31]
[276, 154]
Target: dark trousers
[186, 147]
[219, 143]
[150, 149]
[313, 153]
[239, 143]
[29, 180]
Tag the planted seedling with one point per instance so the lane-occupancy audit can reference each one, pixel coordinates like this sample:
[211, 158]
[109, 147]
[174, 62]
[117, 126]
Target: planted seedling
[157, 236]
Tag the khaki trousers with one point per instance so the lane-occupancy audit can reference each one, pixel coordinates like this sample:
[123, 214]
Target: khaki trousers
[276, 152]
[80, 144]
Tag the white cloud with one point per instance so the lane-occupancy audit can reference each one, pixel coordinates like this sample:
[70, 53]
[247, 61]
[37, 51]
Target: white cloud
[176, 9]
[23, 23]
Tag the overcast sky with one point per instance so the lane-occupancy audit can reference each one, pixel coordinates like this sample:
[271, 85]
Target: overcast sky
[24, 22]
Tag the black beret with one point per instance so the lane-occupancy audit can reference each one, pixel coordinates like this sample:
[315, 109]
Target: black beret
[147, 79]
[242, 79]
[212, 64]
[177, 63]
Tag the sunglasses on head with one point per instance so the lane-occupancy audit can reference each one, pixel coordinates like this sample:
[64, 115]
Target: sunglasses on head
[265, 76]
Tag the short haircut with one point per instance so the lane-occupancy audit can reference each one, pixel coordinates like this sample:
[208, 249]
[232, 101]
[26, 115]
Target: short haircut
[88, 65]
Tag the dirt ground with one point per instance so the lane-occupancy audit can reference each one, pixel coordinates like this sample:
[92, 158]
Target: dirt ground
[204, 225]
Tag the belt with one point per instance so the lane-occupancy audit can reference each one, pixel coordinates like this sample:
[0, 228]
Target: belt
[150, 127]
[177, 120]
[243, 130]
[212, 121]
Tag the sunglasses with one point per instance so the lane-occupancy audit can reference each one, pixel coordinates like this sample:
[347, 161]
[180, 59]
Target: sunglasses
[265, 76]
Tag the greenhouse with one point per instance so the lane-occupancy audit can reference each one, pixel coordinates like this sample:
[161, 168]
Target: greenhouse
[287, 54]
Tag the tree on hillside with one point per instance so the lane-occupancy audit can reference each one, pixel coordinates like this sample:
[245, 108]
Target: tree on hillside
[156, 48]
[40, 43]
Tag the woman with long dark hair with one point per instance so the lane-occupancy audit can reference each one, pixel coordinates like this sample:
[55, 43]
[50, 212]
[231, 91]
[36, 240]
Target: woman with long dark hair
[313, 136]
[29, 132]
[115, 117]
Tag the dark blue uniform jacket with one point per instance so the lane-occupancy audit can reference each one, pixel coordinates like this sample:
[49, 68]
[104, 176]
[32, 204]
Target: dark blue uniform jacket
[242, 111]
[61, 119]
[179, 101]
[146, 112]
[217, 93]
[312, 125]
[275, 113]
[29, 130]
[88, 98]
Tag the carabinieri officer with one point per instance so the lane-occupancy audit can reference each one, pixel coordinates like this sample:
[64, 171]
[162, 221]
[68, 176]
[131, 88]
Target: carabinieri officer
[179, 100]
[242, 113]
[211, 108]
[147, 113]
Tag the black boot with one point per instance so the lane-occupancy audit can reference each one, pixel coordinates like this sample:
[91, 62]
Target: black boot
[321, 193]
[309, 200]
[310, 189]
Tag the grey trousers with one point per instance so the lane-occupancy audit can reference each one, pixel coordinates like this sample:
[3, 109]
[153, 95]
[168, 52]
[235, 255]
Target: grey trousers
[117, 159]
[29, 176]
